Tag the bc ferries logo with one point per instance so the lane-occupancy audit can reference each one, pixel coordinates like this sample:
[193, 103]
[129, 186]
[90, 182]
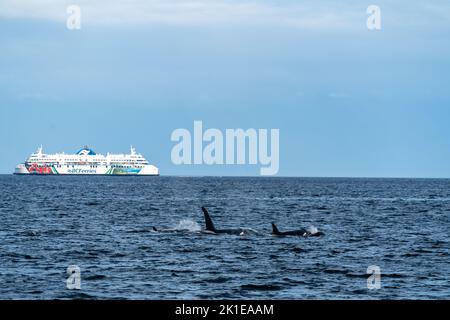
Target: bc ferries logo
[84, 152]
[81, 171]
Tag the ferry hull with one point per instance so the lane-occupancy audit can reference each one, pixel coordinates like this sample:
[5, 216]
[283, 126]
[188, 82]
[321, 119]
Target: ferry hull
[148, 170]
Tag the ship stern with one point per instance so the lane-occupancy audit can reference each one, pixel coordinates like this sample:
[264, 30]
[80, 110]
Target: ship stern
[149, 170]
[21, 169]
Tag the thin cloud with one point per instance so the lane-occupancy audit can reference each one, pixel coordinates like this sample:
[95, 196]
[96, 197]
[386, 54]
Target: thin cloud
[315, 15]
[182, 12]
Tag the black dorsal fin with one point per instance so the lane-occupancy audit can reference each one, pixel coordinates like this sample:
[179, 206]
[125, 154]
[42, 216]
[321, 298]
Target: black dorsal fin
[208, 222]
[275, 229]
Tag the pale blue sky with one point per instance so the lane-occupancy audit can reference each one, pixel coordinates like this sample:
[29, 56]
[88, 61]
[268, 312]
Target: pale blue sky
[348, 101]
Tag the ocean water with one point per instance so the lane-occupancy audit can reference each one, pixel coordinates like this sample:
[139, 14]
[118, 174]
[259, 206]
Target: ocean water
[104, 226]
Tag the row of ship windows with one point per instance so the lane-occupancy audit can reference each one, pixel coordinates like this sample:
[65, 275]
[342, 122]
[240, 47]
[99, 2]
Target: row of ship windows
[83, 163]
[95, 160]
[114, 166]
[73, 166]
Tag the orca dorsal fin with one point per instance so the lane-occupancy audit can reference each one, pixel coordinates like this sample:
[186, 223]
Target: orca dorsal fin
[275, 229]
[208, 222]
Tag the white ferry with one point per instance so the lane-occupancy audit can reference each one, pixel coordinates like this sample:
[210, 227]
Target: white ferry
[86, 162]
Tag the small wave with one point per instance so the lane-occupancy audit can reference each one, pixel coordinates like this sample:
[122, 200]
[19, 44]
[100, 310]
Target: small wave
[293, 281]
[182, 226]
[359, 291]
[421, 250]
[80, 296]
[218, 280]
[53, 209]
[57, 232]
[409, 254]
[95, 277]
[312, 229]
[261, 287]
[118, 255]
[383, 275]
[297, 249]
[336, 271]
[356, 275]
[439, 244]
[92, 203]
[248, 231]
[141, 230]
[394, 275]
[36, 292]
[187, 225]
[30, 233]
[17, 255]
[186, 250]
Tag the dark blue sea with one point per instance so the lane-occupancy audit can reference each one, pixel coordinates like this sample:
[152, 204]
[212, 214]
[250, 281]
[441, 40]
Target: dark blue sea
[103, 225]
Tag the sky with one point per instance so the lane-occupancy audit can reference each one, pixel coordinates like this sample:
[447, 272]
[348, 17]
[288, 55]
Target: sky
[348, 101]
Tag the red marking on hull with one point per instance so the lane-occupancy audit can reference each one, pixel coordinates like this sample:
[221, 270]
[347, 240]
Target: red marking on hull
[35, 169]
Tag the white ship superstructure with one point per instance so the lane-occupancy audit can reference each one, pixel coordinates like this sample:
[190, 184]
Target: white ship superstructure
[86, 162]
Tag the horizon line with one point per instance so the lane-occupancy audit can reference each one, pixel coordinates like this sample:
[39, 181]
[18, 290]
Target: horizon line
[247, 176]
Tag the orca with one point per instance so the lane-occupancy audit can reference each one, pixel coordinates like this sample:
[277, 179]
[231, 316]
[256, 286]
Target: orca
[168, 230]
[301, 232]
[209, 226]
